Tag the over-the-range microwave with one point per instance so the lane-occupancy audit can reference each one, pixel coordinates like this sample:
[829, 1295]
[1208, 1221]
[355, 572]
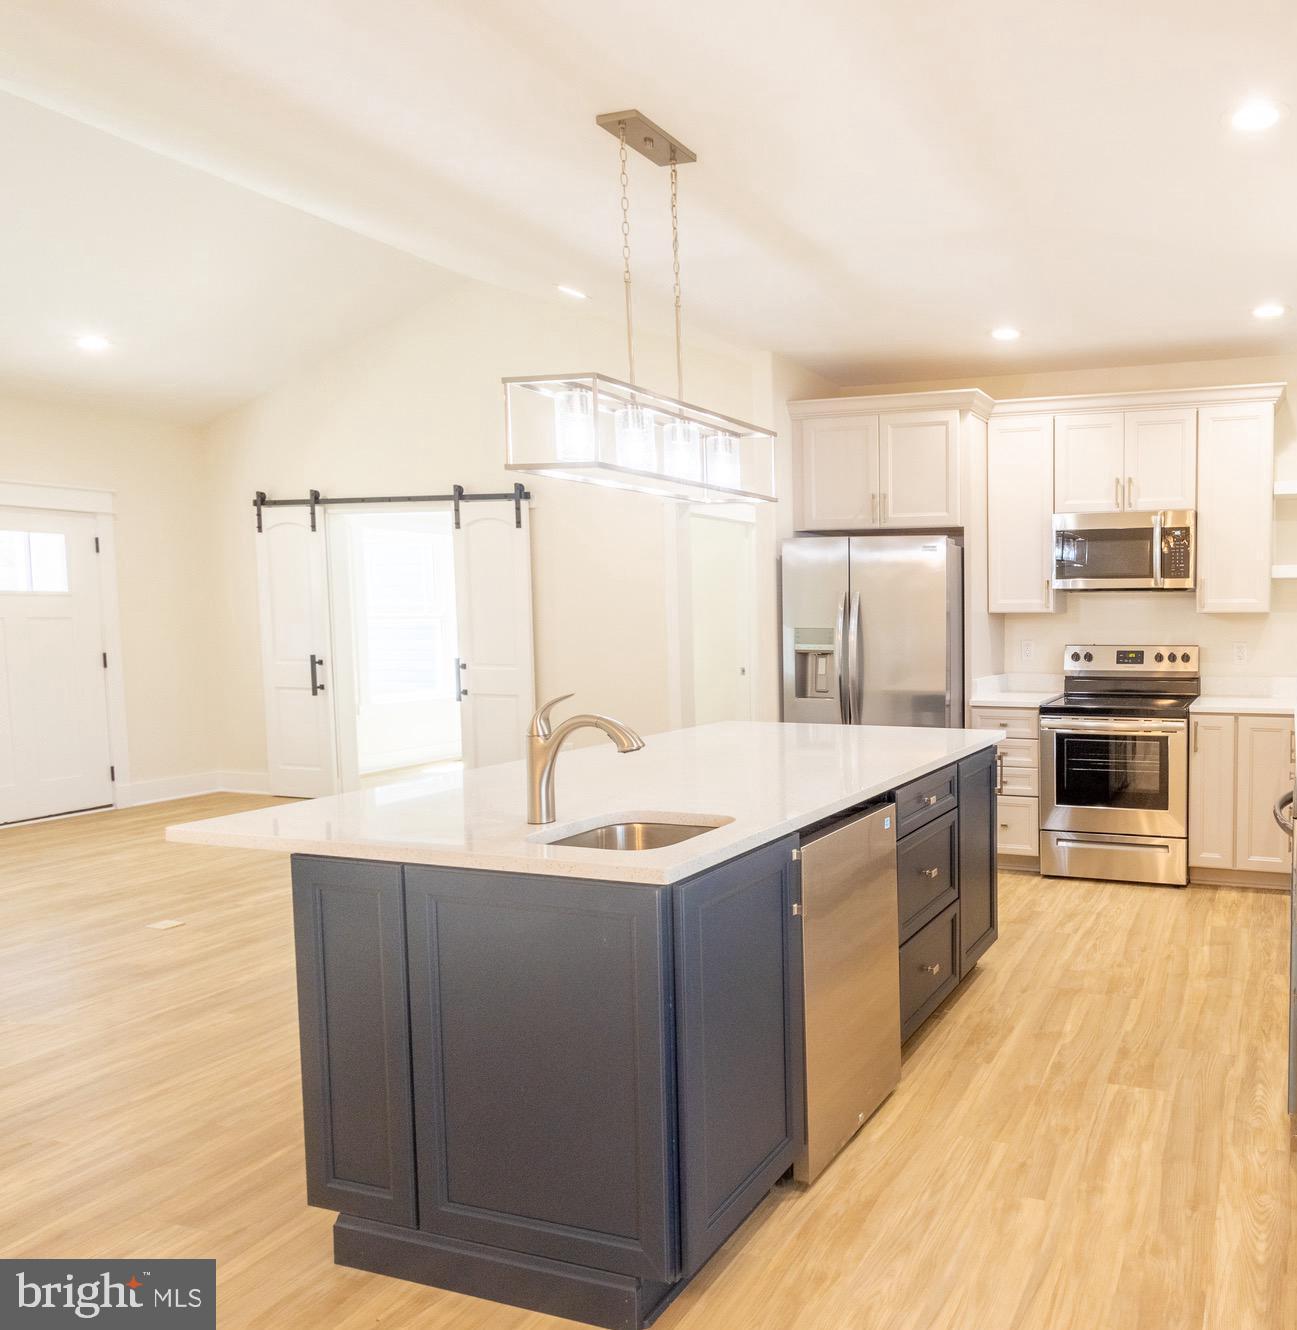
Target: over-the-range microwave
[1125, 551]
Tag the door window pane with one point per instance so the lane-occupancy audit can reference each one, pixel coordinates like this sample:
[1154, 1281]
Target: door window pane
[33, 561]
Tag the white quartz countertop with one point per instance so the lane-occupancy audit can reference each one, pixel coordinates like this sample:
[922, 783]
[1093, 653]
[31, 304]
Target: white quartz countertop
[1241, 705]
[1031, 699]
[763, 780]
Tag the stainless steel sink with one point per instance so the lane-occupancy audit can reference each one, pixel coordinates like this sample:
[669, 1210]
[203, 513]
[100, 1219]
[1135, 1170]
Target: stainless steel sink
[635, 835]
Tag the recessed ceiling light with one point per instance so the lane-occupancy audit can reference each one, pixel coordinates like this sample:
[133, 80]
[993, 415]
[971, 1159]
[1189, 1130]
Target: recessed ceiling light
[1005, 334]
[572, 293]
[1256, 115]
[1270, 310]
[94, 343]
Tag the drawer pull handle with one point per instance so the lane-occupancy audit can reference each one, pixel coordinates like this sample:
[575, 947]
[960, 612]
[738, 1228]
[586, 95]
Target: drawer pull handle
[929, 799]
[931, 872]
[1004, 826]
[934, 968]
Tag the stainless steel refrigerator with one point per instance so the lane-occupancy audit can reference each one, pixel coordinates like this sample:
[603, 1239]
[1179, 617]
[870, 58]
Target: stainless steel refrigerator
[873, 630]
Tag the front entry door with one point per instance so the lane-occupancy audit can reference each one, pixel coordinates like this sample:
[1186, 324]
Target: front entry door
[54, 750]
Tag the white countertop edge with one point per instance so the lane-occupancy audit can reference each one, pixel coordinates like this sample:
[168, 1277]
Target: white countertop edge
[649, 867]
[1242, 705]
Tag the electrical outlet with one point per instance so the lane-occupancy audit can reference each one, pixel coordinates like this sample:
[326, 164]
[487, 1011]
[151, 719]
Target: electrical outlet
[1240, 653]
[1027, 651]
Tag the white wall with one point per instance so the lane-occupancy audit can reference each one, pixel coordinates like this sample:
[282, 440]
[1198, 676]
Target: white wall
[418, 407]
[1270, 639]
[157, 473]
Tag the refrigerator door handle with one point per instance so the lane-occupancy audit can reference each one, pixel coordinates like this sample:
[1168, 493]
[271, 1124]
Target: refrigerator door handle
[839, 655]
[854, 639]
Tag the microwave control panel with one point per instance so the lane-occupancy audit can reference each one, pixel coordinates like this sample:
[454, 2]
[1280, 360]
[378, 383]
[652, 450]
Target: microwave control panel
[1177, 552]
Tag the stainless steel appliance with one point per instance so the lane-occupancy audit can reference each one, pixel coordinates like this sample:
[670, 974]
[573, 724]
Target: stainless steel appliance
[852, 994]
[1125, 551]
[1283, 814]
[1114, 764]
[873, 630]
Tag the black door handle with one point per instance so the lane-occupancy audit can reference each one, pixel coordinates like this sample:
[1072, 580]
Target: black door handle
[316, 685]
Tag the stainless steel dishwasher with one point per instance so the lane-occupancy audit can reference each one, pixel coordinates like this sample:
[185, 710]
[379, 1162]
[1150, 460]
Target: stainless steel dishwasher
[851, 979]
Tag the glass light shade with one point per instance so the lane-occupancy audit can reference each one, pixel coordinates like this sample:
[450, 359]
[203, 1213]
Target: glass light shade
[682, 450]
[604, 431]
[574, 425]
[635, 433]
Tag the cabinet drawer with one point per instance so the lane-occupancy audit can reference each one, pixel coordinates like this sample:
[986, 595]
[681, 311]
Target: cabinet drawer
[929, 969]
[1018, 825]
[926, 874]
[1016, 722]
[924, 799]
[1020, 752]
[1019, 780]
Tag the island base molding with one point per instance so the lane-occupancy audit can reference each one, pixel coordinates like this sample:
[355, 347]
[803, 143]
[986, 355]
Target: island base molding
[557, 1288]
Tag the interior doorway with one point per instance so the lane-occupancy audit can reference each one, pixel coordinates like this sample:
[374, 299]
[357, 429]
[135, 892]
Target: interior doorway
[55, 753]
[396, 644]
[712, 615]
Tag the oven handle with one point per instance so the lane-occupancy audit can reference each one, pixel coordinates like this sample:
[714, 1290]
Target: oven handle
[1055, 724]
[1114, 844]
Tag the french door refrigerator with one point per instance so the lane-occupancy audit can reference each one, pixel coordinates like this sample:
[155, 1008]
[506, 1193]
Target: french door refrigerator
[873, 630]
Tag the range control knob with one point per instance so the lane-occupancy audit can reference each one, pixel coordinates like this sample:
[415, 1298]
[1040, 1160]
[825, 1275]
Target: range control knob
[1076, 655]
[1089, 655]
[1159, 658]
[1172, 658]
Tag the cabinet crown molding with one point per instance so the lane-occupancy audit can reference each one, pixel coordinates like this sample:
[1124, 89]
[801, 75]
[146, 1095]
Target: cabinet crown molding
[1162, 397]
[973, 400]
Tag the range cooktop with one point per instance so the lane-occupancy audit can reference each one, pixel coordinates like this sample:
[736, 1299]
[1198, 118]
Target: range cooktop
[1128, 681]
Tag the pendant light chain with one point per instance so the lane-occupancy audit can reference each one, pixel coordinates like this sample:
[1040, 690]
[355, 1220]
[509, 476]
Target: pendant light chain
[675, 267]
[625, 251]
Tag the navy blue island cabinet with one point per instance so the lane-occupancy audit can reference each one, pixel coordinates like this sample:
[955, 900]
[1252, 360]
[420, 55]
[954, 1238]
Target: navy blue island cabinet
[559, 1093]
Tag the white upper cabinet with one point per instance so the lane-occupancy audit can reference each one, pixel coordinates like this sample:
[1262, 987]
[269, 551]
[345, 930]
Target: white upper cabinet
[1235, 507]
[1019, 509]
[1089, 462]
[838, 472]
[1161, 459]
[919, 468]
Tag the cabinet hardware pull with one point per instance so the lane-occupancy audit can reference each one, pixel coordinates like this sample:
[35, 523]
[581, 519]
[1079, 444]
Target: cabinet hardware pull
[929, 799]
[1130, 492]
[1116, 480]
[1004, 826]
[1195, 736]
[999, 772]
[797, 909]
[884, 506]
[934, 968]
[873, 508]
[931, 872]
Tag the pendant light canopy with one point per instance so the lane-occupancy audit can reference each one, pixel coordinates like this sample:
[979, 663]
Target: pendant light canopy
[604, 431]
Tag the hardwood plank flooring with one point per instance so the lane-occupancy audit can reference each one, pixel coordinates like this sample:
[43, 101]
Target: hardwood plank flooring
[1091, 1134]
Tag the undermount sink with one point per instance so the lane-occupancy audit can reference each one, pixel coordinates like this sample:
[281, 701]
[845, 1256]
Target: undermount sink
[635, 835]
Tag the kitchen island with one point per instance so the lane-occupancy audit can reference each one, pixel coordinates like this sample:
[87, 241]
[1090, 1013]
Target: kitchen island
[560, 1077]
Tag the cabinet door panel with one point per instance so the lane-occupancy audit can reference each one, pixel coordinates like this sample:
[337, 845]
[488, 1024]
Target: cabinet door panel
[979, 902]
[1235, 507]
[1161, 459]
[1265, 771]
[1211, 791]
[1018, 826]
[1089, 456]
[542, 1055]
[838, 473]
[1019, 514]
[739, 1022]
[349, 929]
[918, 455]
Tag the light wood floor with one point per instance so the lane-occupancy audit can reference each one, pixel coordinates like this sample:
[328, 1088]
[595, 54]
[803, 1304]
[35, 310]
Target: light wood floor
[1090, 1135]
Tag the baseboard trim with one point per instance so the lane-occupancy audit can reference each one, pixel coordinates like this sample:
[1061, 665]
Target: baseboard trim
[166, 788]
[1235, 877]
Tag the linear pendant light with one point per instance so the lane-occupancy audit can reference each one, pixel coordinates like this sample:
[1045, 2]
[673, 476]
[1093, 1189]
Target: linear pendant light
[612, 432]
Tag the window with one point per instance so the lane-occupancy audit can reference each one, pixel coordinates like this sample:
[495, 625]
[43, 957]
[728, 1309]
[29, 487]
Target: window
[35, 562]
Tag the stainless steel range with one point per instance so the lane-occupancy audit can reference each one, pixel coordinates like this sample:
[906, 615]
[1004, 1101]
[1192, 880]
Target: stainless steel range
[1114, 764]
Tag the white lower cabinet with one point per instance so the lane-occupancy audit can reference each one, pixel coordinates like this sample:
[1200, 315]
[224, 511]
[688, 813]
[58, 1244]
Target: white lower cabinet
[1017, 776]
[1238, 767]
[1018, 823]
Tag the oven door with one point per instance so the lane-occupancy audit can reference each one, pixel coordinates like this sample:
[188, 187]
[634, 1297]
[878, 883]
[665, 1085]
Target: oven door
[1107, 773]
[1107, 551]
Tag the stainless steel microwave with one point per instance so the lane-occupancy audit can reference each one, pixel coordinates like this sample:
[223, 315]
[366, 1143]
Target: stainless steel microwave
[1125, 551]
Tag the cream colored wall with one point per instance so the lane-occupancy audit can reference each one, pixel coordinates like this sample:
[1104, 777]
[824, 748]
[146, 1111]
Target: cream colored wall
[157, 473]
[418, 407]
[1270, 639]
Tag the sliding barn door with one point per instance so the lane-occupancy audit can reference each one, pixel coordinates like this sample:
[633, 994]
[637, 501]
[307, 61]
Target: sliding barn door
[292, 578]
[493, 608]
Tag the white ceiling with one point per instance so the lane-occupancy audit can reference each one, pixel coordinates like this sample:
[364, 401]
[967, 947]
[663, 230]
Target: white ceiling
[878, 186]
[210, 294]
